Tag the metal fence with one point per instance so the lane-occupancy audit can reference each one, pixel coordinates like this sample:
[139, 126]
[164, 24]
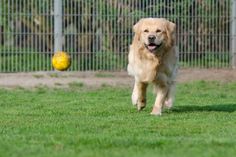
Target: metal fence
[97, 33]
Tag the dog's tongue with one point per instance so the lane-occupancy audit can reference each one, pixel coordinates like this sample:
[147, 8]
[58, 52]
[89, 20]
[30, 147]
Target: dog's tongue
[152, 47]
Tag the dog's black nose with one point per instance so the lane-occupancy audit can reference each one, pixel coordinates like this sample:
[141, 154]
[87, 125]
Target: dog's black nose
[151, 38]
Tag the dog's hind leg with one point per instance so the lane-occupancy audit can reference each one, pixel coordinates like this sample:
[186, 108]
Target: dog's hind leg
[170, 97]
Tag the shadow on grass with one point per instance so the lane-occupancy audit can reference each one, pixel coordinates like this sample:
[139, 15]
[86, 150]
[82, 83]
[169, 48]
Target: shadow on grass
[216, 108]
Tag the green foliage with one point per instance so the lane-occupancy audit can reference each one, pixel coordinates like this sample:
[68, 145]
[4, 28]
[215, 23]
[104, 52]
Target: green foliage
[208, 60]
[103, 75]
[103, 123]
[75, 85]
[14, 62]
[98, 61]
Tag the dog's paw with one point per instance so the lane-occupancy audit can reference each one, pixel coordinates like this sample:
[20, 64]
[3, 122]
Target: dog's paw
[168, 103]
[134, 102]
[156, 111]
[134, 99]
[141, 105]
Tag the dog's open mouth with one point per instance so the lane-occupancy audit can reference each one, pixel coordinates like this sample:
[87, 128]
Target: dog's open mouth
[152, 47]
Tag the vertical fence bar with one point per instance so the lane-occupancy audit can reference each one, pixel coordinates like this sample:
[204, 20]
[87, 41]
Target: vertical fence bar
[2, 36]
[233, 34]
[57, 25]
[227, 58]
[9, 50]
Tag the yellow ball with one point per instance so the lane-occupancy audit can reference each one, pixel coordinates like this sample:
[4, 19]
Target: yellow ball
[61, 61]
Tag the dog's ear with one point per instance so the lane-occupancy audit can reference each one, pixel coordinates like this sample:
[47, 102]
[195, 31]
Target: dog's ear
[136, 26]
[171, 29]
[136, 29]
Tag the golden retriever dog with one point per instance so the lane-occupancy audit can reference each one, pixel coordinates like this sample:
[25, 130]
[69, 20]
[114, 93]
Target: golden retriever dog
[153, 59]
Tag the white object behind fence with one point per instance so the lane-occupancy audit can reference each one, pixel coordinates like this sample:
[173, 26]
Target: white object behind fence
[57, 25]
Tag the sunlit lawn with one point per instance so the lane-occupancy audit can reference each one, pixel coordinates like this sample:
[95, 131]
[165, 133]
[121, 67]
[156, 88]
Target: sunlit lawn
[102, 123]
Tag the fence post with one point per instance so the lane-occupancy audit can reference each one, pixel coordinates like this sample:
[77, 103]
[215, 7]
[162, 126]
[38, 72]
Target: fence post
[57, 25]
[233, 33]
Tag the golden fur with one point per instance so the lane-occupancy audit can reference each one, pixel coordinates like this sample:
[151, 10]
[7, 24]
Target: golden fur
[153, 59]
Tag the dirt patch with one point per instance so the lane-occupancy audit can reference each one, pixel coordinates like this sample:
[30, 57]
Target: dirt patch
[96, 79]
[222, 75]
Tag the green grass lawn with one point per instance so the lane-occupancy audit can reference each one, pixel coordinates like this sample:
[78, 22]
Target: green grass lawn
[102, 123]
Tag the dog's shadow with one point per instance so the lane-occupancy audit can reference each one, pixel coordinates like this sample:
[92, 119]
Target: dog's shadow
[209, 108]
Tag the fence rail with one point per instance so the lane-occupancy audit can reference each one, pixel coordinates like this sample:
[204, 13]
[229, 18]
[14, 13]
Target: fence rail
[97, 33]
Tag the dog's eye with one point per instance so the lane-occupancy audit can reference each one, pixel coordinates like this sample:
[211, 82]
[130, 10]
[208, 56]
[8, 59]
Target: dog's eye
[146, 31]
[158, 31]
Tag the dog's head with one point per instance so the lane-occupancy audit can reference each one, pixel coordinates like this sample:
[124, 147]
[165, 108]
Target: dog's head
[155, 33]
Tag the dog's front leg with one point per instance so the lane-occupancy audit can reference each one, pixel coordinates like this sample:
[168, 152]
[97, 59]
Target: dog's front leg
[139, 95]
[160, 98]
